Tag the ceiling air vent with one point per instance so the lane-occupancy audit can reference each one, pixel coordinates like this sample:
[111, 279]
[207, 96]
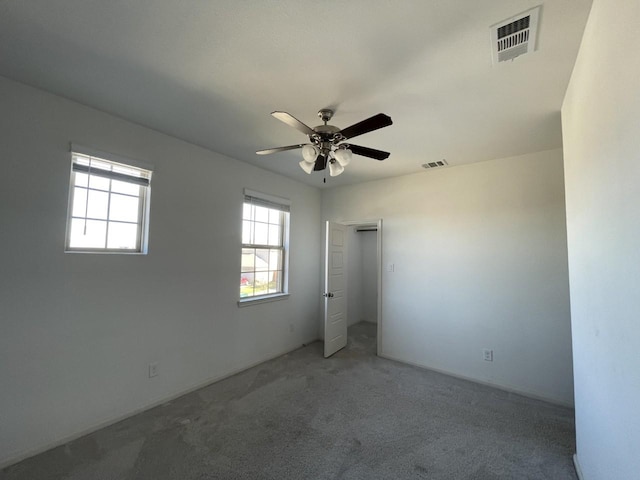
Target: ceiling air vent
[439, 163]
[515, 36]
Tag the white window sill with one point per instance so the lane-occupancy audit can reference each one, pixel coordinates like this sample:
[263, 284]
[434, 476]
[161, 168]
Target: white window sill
[108, 252]
[246, 302]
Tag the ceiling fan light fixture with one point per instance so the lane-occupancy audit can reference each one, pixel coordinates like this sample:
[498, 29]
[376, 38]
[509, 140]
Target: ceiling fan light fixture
[306, 166]
[310, 153]
[325, 149]
[343, 156]
[335, 168]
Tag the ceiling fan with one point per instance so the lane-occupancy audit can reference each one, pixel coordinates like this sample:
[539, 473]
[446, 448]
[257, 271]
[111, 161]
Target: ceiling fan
[327, 143]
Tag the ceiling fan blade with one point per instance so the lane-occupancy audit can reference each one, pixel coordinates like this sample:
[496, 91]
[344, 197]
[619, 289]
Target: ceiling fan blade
[369, 125]
[321, 163]
[369, 152]
[279, 149]
[293, 122]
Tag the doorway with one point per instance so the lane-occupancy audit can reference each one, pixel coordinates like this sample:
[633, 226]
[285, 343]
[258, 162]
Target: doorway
[359, 296]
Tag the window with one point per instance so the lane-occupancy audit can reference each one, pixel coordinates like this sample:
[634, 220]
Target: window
[108, 206]
[265, 232]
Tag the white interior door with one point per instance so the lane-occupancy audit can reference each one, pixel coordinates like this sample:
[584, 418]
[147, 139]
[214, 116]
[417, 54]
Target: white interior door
[335, 295]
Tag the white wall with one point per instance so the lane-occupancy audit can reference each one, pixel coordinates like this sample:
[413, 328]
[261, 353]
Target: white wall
[362, 274]
[601, 129]
[354, 277]
[369, 275]
[480, 261]
[78, 330]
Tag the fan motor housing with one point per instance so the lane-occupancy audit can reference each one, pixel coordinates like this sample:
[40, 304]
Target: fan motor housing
[326, 129]
[326, 134]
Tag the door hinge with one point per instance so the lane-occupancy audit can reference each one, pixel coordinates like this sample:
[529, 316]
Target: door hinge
[328, 295]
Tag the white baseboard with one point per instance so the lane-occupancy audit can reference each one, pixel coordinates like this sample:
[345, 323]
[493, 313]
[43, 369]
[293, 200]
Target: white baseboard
[576, 464]
[20, 456]
[499, 386]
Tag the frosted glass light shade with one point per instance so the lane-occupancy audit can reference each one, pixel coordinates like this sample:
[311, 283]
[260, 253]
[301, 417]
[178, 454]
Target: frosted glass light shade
[306, 166]
[343, 156]
[310, 153]
[335, 169]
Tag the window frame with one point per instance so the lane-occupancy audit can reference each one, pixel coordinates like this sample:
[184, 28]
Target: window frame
[144, 195]
[283, 205]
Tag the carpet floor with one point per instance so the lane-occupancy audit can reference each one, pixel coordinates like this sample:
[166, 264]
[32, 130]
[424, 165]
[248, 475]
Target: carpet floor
[300, 416]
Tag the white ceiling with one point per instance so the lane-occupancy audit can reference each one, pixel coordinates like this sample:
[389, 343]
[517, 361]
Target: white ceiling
[210, 72]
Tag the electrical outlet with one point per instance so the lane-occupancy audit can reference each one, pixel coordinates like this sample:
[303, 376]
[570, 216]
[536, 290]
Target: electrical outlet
[292, 328]
[487, 355]
[153, 369]
[391, 267]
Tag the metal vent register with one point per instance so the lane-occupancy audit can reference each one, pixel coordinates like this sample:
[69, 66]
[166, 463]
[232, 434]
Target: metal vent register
[515, 36]
[439, 163]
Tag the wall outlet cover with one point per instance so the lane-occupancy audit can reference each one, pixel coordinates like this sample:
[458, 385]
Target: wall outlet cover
[487, 355]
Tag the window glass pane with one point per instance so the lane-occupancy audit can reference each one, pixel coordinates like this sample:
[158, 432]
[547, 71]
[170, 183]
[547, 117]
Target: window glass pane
[81, 159]
[122, 235]
[246, 231]
[246, 285]
[93, 237]
[261, 260]
[98, 203]
[262, 214]
[246, 211]
[261, 234]
[274, 235]
[261, 285]
[274, 216]
[102, 164]
[115, 219]
[101, 183]
[79, 202]
[125, 187]
[133, 172]
[248, 260]
[124, 208]
[275, 284]
[81, 179]
[262, 268]
[275, 259]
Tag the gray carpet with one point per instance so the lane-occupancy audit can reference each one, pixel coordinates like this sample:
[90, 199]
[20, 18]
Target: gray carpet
[353, 416]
